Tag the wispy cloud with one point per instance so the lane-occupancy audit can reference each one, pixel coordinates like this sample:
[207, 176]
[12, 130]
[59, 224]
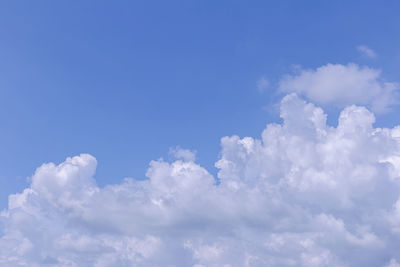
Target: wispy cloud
[366, 51]
[262, 84]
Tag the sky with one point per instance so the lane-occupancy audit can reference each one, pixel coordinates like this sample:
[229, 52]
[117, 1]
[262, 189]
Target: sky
[199, 133]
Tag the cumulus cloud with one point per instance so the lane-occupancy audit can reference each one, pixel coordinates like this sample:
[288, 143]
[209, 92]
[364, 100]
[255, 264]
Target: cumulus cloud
[366, 51]
[303, 194]
[393, 263]
[184, 154]
[343, 85]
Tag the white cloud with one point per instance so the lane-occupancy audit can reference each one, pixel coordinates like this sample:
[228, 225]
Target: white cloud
[366, 51]
[343, 85]
[393, 263]
[184, 154]
[262, 84]
[305, 194]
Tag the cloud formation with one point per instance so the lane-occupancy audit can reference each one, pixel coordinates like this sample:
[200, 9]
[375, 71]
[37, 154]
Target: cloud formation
[343, 85]
[262, 84]
[366, 51]
[304, 194]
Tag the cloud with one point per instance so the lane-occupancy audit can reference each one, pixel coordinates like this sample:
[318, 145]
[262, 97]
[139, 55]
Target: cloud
[304, 194]
[342, 85]
[262, 84]
[393, 263]
[366, 51]
[183, 154]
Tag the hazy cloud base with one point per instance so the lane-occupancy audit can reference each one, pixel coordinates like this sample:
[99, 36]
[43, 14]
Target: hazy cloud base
[304, 194]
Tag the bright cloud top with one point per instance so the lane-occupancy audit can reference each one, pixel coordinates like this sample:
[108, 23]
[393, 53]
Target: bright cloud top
[305, 194]
[343, 85]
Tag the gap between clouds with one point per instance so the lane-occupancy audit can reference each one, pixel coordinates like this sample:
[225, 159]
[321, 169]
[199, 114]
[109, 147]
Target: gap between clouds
[304, 194]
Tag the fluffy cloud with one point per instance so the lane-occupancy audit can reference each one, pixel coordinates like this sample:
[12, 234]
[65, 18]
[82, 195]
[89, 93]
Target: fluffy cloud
[343, 85]
[304, 194]
[184, 154]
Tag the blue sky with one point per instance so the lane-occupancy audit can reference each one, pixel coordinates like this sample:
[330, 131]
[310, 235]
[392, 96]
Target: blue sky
[126, 81]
